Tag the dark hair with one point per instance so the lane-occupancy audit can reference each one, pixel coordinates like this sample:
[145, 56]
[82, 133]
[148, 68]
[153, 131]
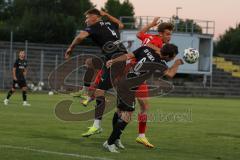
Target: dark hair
[93, 11]
[163, 26]
[20, 50]
[170, 50]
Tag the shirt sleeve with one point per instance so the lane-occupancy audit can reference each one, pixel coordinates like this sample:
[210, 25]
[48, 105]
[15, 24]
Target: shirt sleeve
[142, 36]
[91, 30]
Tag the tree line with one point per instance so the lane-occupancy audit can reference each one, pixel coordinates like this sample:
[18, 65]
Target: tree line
[50, 21]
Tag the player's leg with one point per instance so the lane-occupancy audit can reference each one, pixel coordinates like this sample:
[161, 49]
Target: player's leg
[142, 94]
[99, 110]
[23, 86]
[10, 93]
[126, 106]
[92, 64]
[92, 89]
[115, 119]
[122, 120]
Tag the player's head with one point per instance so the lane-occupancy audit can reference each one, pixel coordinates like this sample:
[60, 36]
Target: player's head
[21, 54]
[165, 31]
[168, 52]
[92, 16]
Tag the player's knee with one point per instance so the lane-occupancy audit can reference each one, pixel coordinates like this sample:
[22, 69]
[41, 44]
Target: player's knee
[126, 116]
[99, 93]
[24, 89]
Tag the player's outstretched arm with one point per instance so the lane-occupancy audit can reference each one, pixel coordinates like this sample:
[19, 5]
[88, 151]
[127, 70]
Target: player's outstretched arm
[121, 58]
[171, 72]
[77, 40]
[113, 19]
[146, 28]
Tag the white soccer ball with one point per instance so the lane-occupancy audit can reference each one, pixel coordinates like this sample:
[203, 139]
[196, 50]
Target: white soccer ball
[50, 93]
[191, 55]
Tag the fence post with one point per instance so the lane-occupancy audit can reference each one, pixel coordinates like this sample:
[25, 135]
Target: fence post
[26, 48]
[186, 27]
[55, 76]
[1, 67]
[4, 68]
[76, 74]
[207, 28]
[41, 66]
[192, 30]
[11, 50]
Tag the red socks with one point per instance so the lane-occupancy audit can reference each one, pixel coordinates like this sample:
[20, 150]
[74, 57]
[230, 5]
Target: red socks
[142, 123]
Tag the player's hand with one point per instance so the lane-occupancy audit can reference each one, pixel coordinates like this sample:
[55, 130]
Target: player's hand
[109, 63]
[155, 22]
[179, 62]
[15, 78]
[68, 53]
[103, 13]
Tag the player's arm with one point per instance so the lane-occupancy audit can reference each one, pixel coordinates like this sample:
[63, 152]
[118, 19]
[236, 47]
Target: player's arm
[14, 73]
[171, 72]
[77, 40]
[121, 58]
[148, 27]
[154, 47]
[113, 19]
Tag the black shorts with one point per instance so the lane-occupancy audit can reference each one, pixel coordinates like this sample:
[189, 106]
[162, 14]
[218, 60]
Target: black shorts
[19, 83]
[125, 96]
[122, 105]
[109, 75]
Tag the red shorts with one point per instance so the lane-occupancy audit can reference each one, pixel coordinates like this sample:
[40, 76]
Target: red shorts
[142, 91]
[97, 80]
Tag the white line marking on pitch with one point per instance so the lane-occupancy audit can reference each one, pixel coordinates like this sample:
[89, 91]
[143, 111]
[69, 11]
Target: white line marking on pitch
[53, 152]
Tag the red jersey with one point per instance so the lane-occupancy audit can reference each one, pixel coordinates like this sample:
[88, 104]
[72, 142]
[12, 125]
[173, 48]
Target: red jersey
[150, 38]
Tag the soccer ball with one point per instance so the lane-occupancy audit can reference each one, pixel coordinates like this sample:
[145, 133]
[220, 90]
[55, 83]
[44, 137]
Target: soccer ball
[190, 55]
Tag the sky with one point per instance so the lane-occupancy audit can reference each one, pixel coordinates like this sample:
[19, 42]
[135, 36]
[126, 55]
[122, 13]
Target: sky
[225, 13]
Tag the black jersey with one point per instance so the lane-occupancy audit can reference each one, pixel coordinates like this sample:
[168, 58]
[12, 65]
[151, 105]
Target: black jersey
[20, 66]
[103, 32]
[147, 56]
[106, 34]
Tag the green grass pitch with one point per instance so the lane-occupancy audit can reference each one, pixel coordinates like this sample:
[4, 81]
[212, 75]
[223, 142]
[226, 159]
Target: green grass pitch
[180, 129]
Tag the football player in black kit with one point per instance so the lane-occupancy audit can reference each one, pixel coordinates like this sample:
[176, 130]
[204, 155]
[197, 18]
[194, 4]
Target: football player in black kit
[104, 34]
[148, 61]
[19, 73]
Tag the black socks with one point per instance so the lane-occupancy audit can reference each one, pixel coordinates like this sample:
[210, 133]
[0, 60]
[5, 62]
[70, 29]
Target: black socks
[100, 107]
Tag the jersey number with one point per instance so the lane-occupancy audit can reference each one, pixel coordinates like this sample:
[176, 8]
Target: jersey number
[113, 32]
[139, 64]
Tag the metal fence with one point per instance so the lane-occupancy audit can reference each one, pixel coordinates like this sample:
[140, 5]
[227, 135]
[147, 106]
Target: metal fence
[42, 60]
[181, 25]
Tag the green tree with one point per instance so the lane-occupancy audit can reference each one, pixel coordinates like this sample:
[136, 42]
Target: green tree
[187, 25]
[228, 43]
[124, 9]
[48, 21]
[113, 7]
